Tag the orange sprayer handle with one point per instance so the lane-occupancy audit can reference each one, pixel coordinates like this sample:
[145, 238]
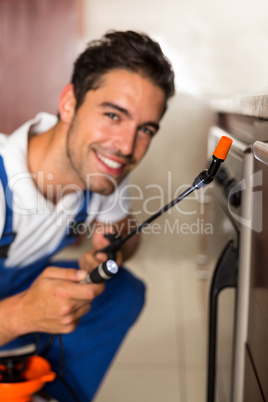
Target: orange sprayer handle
[223, 148]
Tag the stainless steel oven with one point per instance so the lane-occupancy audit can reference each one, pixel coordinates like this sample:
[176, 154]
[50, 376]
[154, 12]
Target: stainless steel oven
[228, 248]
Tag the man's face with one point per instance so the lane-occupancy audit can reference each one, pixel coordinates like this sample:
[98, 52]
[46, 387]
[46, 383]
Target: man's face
[112, 129]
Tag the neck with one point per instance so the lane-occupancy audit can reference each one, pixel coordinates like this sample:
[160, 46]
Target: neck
[49, 164]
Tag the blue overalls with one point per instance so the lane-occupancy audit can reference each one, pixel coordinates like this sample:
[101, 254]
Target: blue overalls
[89, 350]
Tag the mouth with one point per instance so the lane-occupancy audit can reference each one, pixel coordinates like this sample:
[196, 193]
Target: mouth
[111, 165]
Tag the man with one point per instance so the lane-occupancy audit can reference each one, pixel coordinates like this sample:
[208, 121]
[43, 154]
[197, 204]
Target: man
[58, 173]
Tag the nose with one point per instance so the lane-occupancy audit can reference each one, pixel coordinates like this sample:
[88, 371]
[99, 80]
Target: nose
[125, 142]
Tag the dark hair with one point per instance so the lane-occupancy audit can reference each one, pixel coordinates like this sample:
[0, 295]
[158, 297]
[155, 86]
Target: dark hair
[127, 50]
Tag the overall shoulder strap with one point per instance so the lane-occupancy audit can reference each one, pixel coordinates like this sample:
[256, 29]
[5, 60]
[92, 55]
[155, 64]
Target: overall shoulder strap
[83, 211]
[73, 229]
[81, 215]
[8, 235]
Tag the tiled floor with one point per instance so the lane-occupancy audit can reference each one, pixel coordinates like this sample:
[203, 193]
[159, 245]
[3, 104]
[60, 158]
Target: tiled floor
[164, 356]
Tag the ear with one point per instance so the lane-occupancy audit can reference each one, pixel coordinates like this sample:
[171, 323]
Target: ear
[66, 105]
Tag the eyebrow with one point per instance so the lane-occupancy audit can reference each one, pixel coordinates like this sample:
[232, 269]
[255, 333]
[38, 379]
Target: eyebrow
[126, 113]
[116, 107]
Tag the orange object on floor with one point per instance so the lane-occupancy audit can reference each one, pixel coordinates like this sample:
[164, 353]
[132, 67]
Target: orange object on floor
[37, 373]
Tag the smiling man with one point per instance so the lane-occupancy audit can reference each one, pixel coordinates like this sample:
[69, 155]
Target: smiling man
[112, 129]
[59, 172]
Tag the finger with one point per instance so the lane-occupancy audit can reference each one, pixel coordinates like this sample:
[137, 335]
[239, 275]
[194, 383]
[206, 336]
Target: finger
[77, 312]
[101, 257]
[119, 258]
[89, 260]
[83, 291]
[70, 322]
[69, 274]
[67, 328]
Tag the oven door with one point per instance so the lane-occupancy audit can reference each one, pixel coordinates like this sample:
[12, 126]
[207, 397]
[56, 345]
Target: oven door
[254, 374]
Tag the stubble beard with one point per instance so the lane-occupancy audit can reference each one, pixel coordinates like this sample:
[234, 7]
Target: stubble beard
[73, 154]
[96, 182]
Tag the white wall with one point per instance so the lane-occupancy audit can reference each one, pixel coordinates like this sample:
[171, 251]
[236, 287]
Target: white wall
[217, 49]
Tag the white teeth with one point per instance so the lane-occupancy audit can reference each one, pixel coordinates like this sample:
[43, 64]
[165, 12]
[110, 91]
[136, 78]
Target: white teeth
[109, 162]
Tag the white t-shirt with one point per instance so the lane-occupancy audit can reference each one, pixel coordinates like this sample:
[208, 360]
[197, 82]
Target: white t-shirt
[40, 225]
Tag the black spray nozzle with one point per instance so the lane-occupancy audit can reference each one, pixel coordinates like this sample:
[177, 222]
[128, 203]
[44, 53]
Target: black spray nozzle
[207, 176]
[219, 156]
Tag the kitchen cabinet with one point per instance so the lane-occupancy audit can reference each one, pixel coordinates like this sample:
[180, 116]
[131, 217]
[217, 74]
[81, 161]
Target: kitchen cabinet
[38, 44]
[258, 299]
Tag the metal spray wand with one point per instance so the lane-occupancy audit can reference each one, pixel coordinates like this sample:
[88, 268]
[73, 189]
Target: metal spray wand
[109, 268]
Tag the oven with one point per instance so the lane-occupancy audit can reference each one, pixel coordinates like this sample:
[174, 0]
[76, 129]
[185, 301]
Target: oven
[229, 211]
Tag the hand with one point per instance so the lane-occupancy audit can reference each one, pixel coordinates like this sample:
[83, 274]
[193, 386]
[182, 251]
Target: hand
[91, 259]
[99, 241]
[56, 301]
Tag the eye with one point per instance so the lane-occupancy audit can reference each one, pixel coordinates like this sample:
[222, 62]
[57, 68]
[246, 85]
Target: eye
[147, 131]
[112, 116]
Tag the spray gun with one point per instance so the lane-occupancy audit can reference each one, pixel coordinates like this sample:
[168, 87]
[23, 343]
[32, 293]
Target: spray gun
[109, 268]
